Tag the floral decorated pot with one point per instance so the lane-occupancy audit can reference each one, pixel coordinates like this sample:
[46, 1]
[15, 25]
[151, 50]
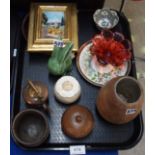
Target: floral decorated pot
[105, 18]
[120, 100]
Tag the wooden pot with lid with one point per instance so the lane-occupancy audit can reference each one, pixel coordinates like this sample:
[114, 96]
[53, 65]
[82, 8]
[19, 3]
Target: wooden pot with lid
[120, 100]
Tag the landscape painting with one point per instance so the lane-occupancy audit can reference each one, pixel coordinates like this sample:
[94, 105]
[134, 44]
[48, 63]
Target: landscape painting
[53, 24]
[50, 22]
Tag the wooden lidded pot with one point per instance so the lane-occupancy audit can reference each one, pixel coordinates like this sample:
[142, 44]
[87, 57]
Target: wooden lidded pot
[120, 100]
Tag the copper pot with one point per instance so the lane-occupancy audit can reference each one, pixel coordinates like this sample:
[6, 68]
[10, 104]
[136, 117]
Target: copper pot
[36, 99]
[120, 100]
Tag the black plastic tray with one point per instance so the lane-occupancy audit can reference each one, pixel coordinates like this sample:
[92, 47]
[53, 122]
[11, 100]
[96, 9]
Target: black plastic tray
[104, 135]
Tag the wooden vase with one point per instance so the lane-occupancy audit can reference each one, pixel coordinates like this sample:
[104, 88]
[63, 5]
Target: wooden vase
[120, 100]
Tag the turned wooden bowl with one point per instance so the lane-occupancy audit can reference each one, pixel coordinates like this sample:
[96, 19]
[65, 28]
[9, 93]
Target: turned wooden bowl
[30, 128]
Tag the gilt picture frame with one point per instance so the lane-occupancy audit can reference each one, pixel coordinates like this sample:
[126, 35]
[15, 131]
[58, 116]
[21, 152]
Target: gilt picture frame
[51, 22]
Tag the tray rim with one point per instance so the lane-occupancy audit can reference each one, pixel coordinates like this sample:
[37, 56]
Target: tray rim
[88, 147]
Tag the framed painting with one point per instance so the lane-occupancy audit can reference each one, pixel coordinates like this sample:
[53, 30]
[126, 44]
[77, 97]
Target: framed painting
[49, 23]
